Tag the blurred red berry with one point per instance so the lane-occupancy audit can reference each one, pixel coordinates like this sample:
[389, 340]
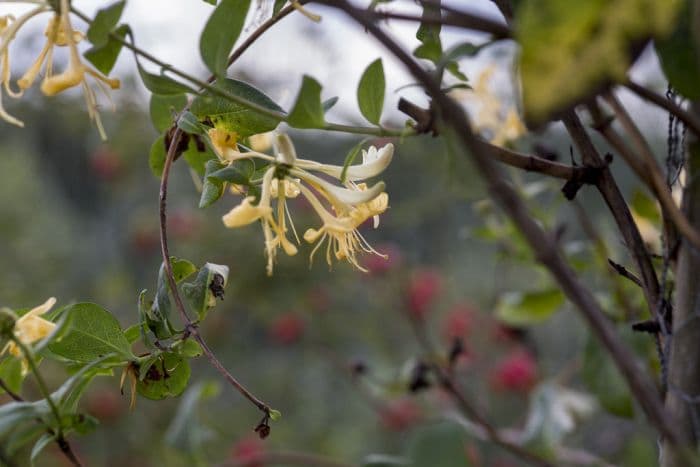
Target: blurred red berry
[517, 372]
[183, 224]
[249, 452]
[424, 287]
[458, 321]
[287, 329]
[400, 414]
[105, 405]
[379, 264]
[105, 164]
[145, 240]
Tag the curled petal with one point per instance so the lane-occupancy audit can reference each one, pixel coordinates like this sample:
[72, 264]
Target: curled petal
[370, 168]
[284, 149]
[246, 213]
[340, 195]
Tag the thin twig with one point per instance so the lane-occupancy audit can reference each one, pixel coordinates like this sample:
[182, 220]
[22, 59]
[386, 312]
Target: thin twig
[653, 172]
[642, 388]
[624, 272]
[683, 115]
[452, 18]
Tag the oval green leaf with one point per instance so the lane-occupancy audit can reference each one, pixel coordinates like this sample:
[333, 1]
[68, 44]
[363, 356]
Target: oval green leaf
[221, 32]
[370, 91]
[308, 109]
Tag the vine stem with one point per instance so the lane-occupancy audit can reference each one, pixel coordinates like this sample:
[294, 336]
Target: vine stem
[191, 328]
[206, 85]
[63, 444]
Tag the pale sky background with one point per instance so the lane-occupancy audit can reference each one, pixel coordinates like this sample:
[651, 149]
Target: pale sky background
[335, 52]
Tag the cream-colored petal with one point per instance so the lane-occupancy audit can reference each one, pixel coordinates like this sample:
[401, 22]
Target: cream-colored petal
[354, 172]
[245, 213]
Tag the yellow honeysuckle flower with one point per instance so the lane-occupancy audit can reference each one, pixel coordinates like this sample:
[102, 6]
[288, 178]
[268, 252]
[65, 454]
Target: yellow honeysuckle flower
[59, 32]
[342, 208]
[31, 328]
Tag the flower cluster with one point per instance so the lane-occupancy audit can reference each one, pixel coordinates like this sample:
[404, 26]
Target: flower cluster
[59, 33]
[342, 208]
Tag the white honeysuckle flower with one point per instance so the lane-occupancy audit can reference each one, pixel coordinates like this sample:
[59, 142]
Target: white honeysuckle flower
[341, 208]
[374, 162]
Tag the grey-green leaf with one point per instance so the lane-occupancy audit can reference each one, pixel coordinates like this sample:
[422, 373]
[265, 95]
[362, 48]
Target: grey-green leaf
[105, 56]
[156, 156]
[105, 20]
[208, 285]
[221, 32]
[161, 84]
[370, 92]
[163, 109]
[308, 110]
[94, 332]
[213, 188]
[520, 309]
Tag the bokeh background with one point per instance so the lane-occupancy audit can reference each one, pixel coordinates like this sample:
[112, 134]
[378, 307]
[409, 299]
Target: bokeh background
[333, 350]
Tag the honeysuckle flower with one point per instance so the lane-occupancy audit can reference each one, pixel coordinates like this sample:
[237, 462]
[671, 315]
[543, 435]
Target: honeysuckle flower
[342, 208]
[60, 33]
[31, 328]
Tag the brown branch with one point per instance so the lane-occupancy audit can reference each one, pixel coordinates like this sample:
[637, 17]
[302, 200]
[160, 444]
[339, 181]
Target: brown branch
[506, 9]
[624, 272]
[683, 115]
[451, 18]
[618, 208]
[652, 170]
[541, 243]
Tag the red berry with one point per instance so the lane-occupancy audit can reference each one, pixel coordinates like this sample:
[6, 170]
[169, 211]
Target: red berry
[423, 288]
[287, 329]
[400, 414]
[105, 404]
[382, 264]
[105, 163]
[458, 321]
[249, 452]
[517, 372]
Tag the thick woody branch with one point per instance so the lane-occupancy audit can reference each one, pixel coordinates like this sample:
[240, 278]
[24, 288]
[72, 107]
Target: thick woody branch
[541, 243]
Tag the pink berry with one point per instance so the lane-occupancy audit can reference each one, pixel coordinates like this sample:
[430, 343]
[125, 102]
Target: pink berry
[517, 372]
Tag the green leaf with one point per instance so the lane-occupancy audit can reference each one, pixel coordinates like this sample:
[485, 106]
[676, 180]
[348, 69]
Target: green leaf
[41, 443]
[94, 333]
[189, 124]
[105, 21]
[156, 156]
[22, 436]
[186, 432]
[163, 109]
[161, 84]
[440, 445]
[278, 6]
[329, 103]
[167, 377]
[233, 117]
[429, 35]
[221, 32]
[350, 158]
[370, 91]
[519, 309]
[570, 49]
[202, 293]
[680, 57]
[238, 172]
[105, 56]
[645, 206]
[603, 379]
[210, 2]
[190, 348]
[133, 332]
[158, 317]
[275, 415]
[196, 158]
[213, 188]
[308, 110]
[11, 373]
[383, 460]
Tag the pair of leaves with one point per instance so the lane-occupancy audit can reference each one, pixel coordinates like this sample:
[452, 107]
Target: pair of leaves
[106, 48]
